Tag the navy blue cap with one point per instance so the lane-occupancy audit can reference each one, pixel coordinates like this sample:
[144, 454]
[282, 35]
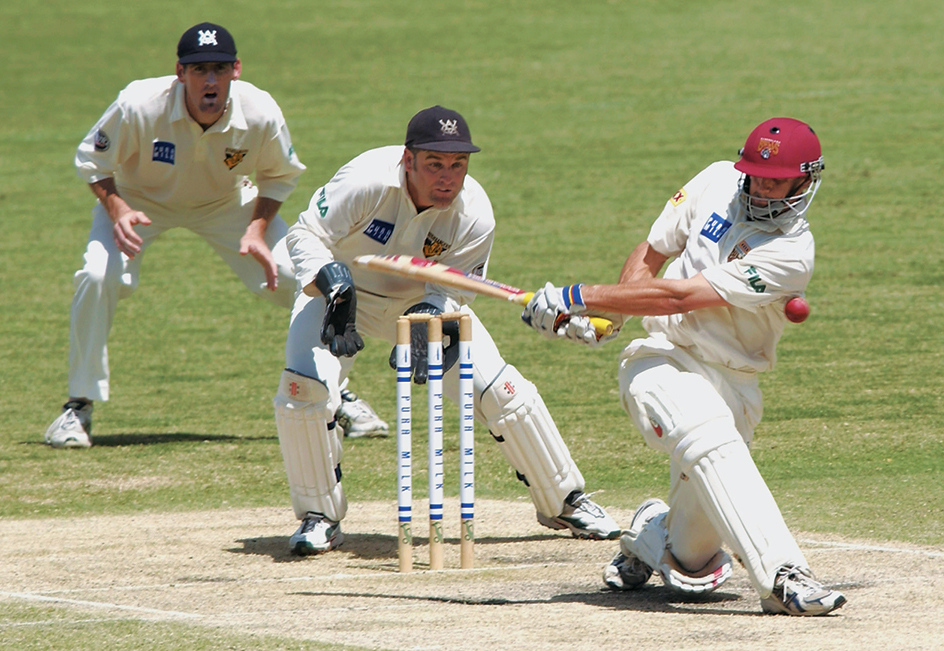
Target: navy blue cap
[439, 129]
[206, 42]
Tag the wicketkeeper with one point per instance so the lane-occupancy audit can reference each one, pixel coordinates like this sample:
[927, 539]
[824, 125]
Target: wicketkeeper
[414, 200]
[742, 248]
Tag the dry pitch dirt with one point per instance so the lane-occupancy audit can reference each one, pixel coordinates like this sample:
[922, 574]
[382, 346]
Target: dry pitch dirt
[532, 588]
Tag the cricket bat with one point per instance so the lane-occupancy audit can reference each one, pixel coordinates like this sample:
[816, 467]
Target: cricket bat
[429, 271]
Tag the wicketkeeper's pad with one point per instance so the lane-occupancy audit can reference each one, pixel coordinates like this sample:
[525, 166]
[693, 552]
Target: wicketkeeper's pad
[311, 447]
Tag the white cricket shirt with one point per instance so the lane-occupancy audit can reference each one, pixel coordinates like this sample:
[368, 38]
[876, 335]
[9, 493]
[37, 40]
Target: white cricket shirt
[164, 162]
[755, 266]
[366, 209]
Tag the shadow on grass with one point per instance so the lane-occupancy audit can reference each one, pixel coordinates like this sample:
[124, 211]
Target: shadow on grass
[368, 547]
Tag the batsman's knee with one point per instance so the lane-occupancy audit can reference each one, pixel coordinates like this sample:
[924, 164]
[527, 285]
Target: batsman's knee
[677, 412]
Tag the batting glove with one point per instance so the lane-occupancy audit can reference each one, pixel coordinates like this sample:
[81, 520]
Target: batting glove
[580, 328]
[337, 330]
[551, 306]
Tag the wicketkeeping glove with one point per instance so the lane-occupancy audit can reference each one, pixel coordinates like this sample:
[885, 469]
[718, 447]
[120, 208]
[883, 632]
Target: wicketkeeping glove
[337, 330]
[419, 344]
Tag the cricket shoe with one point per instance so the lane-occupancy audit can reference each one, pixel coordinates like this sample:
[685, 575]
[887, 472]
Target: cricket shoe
[625, 571]
[73, 426]
[584, 518]
[357, 418]
[796, 592]
[317, 534]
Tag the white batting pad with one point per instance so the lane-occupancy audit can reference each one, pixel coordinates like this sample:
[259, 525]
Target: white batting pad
[311, 449]
[527, 436]
[682, 414]
[649, 545]
[742, 511]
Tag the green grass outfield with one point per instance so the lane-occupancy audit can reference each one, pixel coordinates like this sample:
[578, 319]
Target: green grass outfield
[590, 115]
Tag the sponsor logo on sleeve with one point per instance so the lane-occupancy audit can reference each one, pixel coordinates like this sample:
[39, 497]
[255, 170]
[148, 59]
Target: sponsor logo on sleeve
[715, 228]
[753, 277]
[322, 203]
[433, 246]
[102, 141]
[378, 230]
[234, 157]
[164, 152]
[678, 197]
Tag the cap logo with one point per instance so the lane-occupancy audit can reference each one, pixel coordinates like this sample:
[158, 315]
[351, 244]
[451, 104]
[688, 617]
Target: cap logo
[449, 127]
[207, 37]
[768, 147]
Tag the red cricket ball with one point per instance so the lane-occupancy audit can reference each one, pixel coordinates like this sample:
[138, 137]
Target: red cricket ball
[797, 309]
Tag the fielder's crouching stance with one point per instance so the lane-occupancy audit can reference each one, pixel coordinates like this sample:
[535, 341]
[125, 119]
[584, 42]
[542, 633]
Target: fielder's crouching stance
[415, 201]
[742, 249]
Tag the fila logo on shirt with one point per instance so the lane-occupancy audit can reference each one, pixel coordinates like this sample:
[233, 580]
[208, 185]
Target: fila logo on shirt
[754, 279]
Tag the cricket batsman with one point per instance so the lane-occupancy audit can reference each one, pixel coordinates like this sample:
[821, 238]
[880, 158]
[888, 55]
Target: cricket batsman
[741, 247]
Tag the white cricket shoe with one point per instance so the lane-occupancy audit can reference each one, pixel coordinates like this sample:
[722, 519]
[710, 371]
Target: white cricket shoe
[72, 428]
[625, 571]
[584, 518]
[357, 418]
[796, 592]
[317, 534]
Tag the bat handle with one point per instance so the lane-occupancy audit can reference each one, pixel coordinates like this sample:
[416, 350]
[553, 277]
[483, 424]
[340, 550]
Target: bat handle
[602, 326]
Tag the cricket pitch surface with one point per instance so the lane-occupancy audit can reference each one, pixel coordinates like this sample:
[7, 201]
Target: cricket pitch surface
[532, 588]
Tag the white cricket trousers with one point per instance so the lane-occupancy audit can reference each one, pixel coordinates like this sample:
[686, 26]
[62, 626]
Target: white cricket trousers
[108, 276]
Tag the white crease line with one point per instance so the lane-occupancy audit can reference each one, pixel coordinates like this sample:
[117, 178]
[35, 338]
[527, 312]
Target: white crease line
[98, 604]
[872, 548]
[57, 622]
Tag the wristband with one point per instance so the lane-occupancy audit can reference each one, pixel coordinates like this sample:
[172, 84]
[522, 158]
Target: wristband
[572, 296]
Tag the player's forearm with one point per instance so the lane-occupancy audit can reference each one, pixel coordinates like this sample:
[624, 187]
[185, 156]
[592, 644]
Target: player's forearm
[265, 209]
[652, 297]
[633, 298]
[106, 192]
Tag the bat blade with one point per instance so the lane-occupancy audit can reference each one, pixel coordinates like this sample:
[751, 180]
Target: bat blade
[438, 273]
